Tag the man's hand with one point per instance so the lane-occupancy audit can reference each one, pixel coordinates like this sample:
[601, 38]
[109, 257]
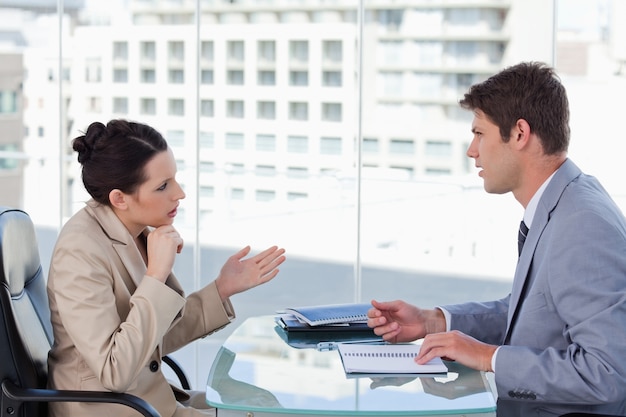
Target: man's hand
[397, 321]
[459, 347]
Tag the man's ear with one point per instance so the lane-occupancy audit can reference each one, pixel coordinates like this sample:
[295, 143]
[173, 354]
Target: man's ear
[118, 199]
[521, 133]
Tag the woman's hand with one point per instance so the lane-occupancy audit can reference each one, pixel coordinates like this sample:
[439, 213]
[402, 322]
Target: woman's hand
[163, 243]
[238, 274]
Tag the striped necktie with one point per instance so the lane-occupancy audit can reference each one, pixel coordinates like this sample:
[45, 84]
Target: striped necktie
[521, 236]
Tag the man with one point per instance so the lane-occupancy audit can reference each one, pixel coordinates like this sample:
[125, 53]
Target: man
[557, 342]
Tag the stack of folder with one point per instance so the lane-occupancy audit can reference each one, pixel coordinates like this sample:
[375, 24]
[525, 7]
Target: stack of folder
[332, 322]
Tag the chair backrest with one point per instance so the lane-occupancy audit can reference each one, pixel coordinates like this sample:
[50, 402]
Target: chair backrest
[25, 328]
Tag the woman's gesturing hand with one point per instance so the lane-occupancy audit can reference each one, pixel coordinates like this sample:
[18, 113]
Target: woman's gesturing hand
[238, 274]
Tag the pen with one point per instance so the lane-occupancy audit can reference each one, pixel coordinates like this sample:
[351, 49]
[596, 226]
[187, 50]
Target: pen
[323, 346]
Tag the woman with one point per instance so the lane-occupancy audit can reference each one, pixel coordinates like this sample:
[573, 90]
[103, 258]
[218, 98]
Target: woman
[116, 307]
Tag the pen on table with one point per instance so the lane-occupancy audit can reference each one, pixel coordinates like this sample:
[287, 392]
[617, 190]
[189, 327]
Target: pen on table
[333, 345]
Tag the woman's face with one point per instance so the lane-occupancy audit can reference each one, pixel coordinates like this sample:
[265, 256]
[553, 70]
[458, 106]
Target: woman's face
[156, 201]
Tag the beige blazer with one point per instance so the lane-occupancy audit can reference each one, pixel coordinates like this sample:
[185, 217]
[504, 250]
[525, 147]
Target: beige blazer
[111, 323]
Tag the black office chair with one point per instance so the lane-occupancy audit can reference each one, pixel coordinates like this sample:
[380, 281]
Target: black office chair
[26, 332]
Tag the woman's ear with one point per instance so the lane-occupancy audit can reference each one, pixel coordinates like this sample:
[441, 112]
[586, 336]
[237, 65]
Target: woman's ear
[118, 199]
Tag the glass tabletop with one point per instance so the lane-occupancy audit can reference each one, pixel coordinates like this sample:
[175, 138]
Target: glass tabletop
[260, 368]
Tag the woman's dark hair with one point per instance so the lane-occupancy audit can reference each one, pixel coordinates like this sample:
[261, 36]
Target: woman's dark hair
[531, 91]
[114, 156]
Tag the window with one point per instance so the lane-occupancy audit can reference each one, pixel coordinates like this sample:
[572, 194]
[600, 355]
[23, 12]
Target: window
[206, 166]
[299, 51]
[330, 146]
[298, 111]
[93, 70]
[237, 194]
[331, 78]
[148, 76]
[207, 191]
[333, 51]
[266, 110]
[120, 75]
[265, 143]
[331, 112]
[235, 168]
[120, 105]
[206, 108]
[175, 138]
[148, 51]
[300, 78]
[297, 172]
[176, 51]
[293, 195]
[235, 51]
[234, 77]
[438, 148]
[8, 162]
[207, 140]
[402, 146]
[206, 51]
[120, 51]
[147, 106]
[8, 102]
[176, 107]
[176, 76]
[297, 144]
[371, 145]
[234, 141]
[235, 109]
[266, 51]
[265, 170]
[266, 77]
[206, 76]
[265, 195]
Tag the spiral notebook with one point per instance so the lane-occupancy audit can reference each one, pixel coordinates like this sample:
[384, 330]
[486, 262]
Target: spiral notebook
[386, 358]
[330, 313]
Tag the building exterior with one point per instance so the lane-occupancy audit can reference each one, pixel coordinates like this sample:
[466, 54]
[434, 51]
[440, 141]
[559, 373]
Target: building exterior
[11, 127]
[275, 87]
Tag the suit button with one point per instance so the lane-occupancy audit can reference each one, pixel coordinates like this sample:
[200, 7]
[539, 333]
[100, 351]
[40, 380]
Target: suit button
[532, 396]
[154, 366]
[512, 394]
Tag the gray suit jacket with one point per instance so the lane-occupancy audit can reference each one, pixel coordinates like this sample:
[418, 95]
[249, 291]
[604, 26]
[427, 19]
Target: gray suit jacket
[111, 323]
[563, 326]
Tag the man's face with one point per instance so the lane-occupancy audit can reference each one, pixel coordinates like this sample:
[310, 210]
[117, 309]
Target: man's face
[496, 158]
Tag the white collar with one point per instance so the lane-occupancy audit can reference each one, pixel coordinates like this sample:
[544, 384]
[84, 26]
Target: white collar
[531, 208]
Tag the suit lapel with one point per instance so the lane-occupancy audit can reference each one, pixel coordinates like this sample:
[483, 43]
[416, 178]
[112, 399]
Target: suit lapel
[548, 202]
[123, 244]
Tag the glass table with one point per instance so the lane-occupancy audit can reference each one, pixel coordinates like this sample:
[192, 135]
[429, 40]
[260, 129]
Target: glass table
[262, 371]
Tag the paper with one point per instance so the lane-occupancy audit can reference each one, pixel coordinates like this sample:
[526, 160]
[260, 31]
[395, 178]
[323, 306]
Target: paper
[386, 359]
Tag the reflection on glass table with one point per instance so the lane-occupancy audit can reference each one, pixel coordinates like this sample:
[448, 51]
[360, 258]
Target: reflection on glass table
[256, 372]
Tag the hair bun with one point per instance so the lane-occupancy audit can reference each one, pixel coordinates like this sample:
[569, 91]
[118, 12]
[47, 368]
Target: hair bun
[86, 143]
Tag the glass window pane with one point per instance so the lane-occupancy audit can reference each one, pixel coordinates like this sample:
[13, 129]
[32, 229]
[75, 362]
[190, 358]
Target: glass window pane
[234, 141]
[330, 146]
[235, 109]
[297, 144]
[265, 142]
[298, 111]
[266, 77]
[128, 60]
[266, 110]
